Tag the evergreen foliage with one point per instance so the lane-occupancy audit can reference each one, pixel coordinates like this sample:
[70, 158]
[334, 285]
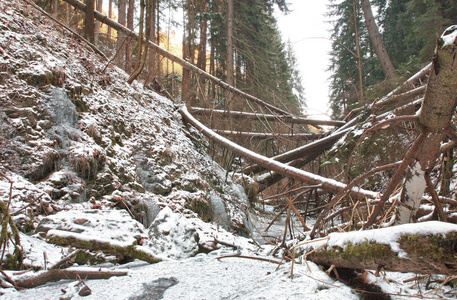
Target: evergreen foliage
[344, 79]
[408, 30]
[264, 65]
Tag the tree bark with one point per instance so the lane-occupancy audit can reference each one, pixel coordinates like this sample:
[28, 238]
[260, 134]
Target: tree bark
[89, 24]
[230, 43]
[99, 6]
[77, 240]
[267, 135]
[153, 68]
[298, 153]
[121, 36]
[201, 60]
[54, 9]
[265, 117]
[110, 15]
[359, 53]
[435, 115]
[128, 42]
[56, 274]
[186, 54]
[330, 185]
[378, 45]
[446, 172]
[146, 4]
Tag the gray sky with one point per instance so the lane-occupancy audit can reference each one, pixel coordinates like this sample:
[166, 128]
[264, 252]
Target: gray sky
[306, 28]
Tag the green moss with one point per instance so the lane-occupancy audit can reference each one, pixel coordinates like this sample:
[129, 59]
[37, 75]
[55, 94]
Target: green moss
[116, 139]
[82, 258]
[365, 250]
[202, 208]
[11, 262]
[438, 247]
[427, 252]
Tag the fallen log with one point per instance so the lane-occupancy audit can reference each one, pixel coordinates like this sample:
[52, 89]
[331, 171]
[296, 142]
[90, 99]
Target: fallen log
[423, 248]
[270, 164]
[42, 277]
[405, 85]
[122, 249]
[318, 146]
[265, 117]
[434, 117]
[268, 179]
[268, 135]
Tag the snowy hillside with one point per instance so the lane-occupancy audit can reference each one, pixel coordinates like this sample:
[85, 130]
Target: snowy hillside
[74, 137]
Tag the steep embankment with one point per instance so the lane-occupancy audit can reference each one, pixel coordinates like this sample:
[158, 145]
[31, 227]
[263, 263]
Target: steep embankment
[75, 136]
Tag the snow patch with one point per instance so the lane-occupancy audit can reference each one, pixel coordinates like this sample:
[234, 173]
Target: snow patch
[449, 35]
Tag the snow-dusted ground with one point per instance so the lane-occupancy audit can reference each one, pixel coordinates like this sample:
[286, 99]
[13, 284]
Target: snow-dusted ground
[205, 277]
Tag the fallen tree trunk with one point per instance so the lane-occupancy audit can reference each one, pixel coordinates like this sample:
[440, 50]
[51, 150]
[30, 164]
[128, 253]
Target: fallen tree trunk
[43, 277]
[267, 135]
[404, 86]
[423, 248]
[266, 180]
[435, 116]
[299, 153]
[265, 117]
[270, 164]
[59, 237]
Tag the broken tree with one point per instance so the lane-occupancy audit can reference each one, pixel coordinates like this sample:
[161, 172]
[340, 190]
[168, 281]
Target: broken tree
[434, 119]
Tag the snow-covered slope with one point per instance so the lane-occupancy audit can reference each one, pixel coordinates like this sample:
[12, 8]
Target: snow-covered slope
[76, 137]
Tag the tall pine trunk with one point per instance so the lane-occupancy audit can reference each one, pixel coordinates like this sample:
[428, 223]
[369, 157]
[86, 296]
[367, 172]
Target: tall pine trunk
[145, 18]
[89, 23]
[99, 6]
[110, 15]
[128, 42]
[186, 50]
[378, 45]
[54, 9]
[120, 47]
[358, 53]
[201, 60]
[230, 43]
[152, 65]
[230, 70]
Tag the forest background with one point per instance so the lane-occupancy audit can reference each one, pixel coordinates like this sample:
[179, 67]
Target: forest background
[262, 63]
